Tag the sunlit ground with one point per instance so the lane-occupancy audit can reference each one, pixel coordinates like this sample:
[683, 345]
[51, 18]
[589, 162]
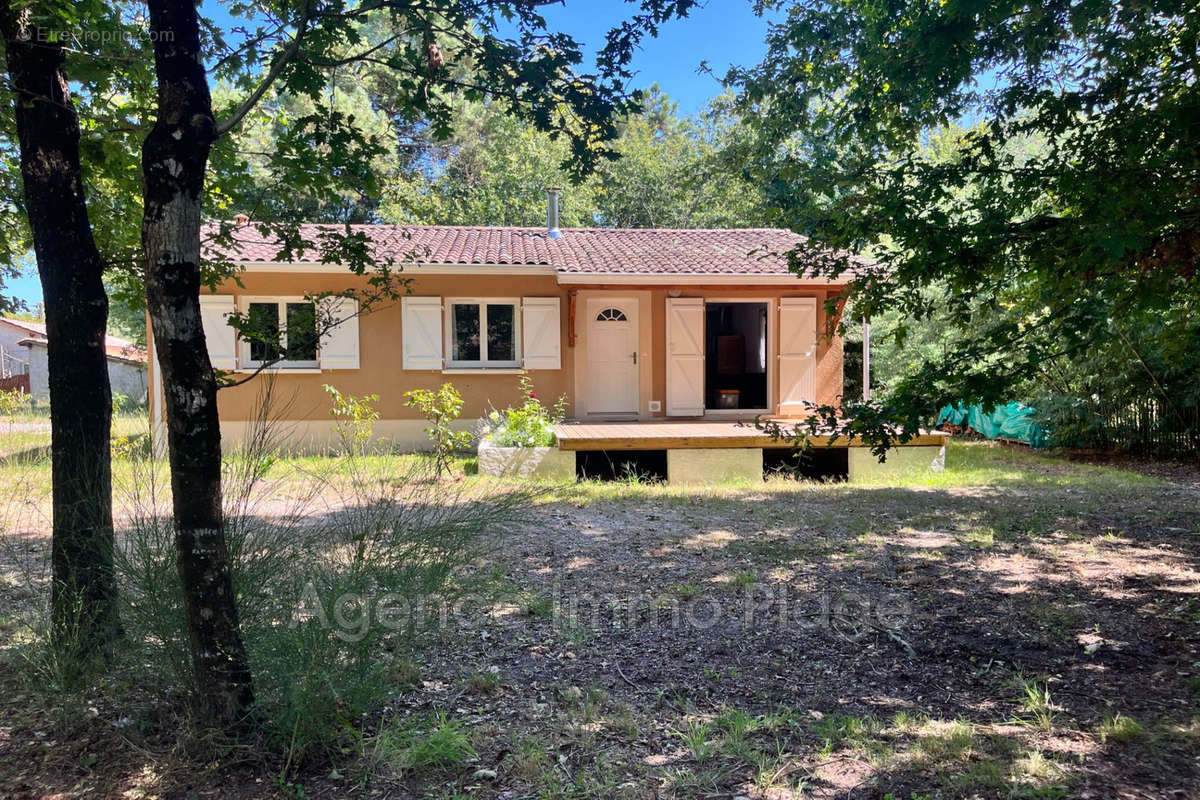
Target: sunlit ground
[1016, 626]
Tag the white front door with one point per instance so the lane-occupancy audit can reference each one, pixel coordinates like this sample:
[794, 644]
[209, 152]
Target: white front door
[612, 342]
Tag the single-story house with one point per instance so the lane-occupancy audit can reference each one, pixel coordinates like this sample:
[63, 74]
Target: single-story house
[23, 352]
[633, 326]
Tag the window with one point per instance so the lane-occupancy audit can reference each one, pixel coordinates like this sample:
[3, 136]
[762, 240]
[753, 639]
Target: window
[281, 331]
[612, 315]
[482, 333]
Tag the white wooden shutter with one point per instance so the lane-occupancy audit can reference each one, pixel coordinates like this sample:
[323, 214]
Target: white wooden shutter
[339, 339]
[541, 333]
[422, 332]
[685, 357]
[220, 336]
[797, 354]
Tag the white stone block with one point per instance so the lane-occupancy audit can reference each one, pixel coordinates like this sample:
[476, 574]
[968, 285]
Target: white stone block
[865, 465]
[542, 463]
[716, 465]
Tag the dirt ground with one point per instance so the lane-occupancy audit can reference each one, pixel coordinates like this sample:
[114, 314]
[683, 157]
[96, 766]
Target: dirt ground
[1028, 628]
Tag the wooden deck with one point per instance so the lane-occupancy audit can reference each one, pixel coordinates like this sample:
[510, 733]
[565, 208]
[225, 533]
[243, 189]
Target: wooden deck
[685, 435]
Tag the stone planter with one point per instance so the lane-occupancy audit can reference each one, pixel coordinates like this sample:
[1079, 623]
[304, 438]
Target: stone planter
[542, 463]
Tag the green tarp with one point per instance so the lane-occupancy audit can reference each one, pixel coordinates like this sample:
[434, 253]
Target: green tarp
[1011, 421]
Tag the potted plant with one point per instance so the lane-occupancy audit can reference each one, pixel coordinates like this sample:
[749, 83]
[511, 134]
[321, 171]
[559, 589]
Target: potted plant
[520, 440]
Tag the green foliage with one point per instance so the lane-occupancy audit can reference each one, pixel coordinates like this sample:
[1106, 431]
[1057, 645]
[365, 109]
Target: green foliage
[332, 605]
[697, 738]
[530, 424]
[441, 409]
[1037, 242]
[12, 402]
[666, 172]
[432, 742]
[1120, 728]
[356, 418]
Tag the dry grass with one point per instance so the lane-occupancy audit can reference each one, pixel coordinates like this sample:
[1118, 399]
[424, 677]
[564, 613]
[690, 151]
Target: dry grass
[1018, 626]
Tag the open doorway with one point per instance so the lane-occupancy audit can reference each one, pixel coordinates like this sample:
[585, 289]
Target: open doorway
[736, 355]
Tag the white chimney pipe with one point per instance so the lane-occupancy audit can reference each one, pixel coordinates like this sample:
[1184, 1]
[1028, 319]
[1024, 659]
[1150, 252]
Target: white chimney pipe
[552, 212]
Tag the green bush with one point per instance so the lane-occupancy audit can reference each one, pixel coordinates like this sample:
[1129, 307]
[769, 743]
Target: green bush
[339, 568]
[530, 424]
[441, 408]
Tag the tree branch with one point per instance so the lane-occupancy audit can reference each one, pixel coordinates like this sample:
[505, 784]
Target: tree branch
[273, 73]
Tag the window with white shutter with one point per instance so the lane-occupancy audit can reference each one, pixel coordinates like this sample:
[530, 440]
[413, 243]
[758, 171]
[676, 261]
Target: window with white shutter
[281, 333]
[542, 333]
[421, 332]
[339, 337]
[218, 333]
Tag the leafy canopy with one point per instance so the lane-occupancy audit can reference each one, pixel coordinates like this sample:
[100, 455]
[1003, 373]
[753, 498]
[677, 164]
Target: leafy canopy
[1068, 208]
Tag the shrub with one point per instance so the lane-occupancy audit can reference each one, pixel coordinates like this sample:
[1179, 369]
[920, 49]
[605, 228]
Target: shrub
[356, 418]
[530, 424]
[441, 409]
[13, 401]
[339, 568]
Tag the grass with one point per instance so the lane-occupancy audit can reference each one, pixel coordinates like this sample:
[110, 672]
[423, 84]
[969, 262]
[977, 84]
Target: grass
[697, 738]
[484, 681]
[614, 712]
[416, 744]
[1120, 728]
[1033, 696]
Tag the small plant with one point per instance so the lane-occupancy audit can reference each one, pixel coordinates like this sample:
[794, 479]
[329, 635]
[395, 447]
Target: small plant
[484, 681]
[356, 418]
[433, 742]
[696, 738]
[12, 401]
[1120, 728]
[1034, 697]
[686, 591]
[530, 424]
[441, 409]
[534, 605]
[743, 579]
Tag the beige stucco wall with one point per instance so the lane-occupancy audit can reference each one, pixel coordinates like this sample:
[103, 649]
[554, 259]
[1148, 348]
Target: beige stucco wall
[300, 396]
[829, 351]
[380, 351]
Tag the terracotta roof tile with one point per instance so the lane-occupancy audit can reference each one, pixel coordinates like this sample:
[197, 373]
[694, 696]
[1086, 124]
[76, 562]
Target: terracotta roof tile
[633, 251]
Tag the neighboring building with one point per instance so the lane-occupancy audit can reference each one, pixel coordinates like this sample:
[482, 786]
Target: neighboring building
[23, 350]
[629, 324]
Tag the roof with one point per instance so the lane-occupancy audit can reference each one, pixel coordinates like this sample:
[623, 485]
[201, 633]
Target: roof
[114, 346]
[602, 251]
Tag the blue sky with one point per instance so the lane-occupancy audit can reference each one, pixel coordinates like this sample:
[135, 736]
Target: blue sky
[720, 32]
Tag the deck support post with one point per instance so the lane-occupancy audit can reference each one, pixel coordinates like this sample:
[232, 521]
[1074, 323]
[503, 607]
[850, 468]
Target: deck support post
[866, 360]
[714, 466]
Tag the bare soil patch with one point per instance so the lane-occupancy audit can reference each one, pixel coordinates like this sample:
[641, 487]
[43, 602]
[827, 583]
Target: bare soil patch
[1030, 638]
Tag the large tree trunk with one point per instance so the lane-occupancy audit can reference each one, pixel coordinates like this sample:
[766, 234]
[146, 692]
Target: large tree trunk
[83, 594]
[174, 160]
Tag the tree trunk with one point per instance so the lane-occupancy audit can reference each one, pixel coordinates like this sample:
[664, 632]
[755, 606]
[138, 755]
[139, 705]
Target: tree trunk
[174, 160]
[83, 594]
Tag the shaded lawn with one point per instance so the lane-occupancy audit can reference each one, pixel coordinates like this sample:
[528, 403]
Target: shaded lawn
[1017, 626]
[26, 437]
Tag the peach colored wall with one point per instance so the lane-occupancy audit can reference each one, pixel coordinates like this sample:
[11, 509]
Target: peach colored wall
[380, 344]
[380, 351]
[829, 349]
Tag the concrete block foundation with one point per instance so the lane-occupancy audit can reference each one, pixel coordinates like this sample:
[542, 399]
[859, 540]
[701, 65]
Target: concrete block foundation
[542, 463]
[864, 465]
[710, 466]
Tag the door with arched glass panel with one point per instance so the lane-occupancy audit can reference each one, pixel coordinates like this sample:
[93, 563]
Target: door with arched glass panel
[612, 362]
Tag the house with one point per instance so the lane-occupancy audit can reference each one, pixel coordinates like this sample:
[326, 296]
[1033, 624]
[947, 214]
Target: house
[23, 352]
[631, 325]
